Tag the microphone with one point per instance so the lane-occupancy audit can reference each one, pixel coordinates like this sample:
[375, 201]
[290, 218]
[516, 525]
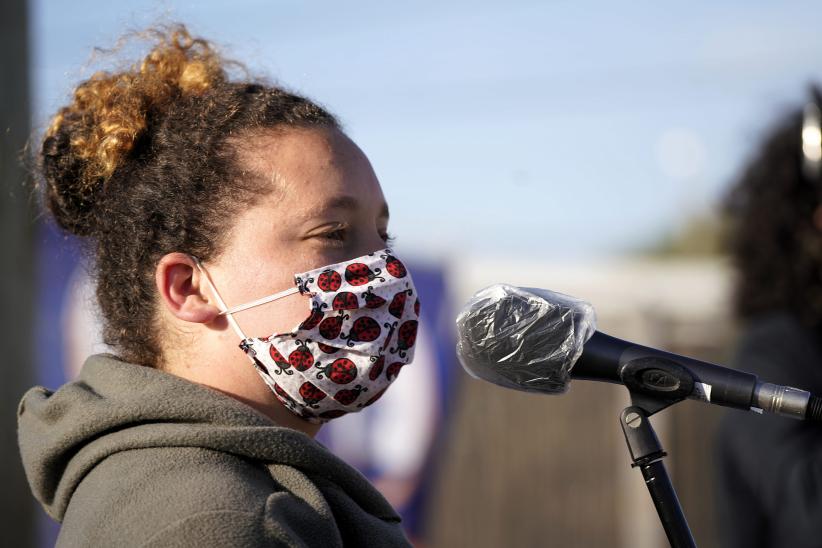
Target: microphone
[537, 340]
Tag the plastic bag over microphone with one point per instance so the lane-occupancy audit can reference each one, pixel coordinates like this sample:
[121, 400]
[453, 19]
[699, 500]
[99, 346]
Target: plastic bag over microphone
[523, 338]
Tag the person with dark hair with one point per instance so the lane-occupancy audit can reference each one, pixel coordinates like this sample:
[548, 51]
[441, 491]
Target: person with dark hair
[770, 468]
[217, 212]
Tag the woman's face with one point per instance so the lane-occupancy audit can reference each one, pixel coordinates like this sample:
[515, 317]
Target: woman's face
[325, 206]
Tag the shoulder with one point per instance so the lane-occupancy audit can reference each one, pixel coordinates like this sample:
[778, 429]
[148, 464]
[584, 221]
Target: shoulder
[175, 496]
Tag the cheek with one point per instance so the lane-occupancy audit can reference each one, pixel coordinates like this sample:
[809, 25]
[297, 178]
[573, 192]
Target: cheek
[277, 317]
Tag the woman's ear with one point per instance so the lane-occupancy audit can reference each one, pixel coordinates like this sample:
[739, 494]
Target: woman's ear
[183, 289]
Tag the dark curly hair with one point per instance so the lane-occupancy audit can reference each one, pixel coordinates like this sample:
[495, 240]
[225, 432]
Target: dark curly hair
[144, 162]
[773, 239]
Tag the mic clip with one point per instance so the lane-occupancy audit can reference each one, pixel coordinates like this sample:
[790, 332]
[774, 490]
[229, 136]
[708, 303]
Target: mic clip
[656, 383]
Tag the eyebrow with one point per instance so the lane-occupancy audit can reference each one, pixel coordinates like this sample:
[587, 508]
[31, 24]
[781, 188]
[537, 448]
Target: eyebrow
[350, 203]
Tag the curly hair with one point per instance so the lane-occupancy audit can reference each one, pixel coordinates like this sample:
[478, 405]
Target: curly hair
[145, 161]
[773, 240]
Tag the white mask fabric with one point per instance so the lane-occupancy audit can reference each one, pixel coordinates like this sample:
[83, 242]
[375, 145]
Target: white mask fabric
[360, 332]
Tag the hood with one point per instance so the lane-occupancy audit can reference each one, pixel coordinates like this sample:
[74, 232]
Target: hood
[116, 406]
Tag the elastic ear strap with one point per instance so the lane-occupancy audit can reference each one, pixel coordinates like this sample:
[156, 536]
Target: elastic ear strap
[231, 321]
[258, 302]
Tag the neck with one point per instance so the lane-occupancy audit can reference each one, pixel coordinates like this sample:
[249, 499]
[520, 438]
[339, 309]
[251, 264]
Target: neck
[223, 367]
[278, 414]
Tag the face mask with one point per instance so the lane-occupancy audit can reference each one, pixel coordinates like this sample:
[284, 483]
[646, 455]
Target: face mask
[360, 332]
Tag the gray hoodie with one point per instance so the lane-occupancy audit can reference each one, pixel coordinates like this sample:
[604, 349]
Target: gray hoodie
[130, 456]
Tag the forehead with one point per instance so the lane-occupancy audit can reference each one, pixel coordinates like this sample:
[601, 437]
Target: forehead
[310, 169]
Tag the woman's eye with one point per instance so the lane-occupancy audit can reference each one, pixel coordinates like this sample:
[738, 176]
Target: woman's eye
[336, 235]
[341, 236]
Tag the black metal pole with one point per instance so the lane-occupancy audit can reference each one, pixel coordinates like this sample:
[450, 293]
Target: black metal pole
[667, 504]
[647, 454]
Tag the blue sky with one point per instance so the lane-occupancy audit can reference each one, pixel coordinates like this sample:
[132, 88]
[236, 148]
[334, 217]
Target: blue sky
[550, 129]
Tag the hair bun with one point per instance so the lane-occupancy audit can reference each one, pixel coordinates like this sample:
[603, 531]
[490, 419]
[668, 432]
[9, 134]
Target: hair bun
[89, 139]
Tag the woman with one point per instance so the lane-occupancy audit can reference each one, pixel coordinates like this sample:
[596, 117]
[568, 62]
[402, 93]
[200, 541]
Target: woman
[770, 469]
[218, 212]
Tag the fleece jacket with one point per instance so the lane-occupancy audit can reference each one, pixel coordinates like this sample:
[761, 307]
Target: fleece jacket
[128, 455]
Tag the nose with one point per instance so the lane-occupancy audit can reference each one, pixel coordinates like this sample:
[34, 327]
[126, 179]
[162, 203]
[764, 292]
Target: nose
[372, 242]
[368, 240]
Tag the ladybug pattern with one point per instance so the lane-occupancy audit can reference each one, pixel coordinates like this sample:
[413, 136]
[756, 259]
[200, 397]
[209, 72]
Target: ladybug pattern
[372, 300]
[330, 327]
[283, 394]
[276, 356]
[406, 337]
[359, 274]
[348, 396]
[281, 364]
[394, 266]
[334, 362]
[345, 300]
[391, 327]
[376, 367]
[393, 370]
[301, 358]
[302, 283]
[311, 394]
[246, 347]
[398, 303]
[364, 329]
[329, 280]
[328, 349]
[313, 320]
[340, 371]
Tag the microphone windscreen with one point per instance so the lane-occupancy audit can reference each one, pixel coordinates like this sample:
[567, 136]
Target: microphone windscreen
[523, 338]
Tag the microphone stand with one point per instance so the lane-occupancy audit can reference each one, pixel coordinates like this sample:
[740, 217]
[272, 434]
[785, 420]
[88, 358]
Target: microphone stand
[646, 453]
[653, 394]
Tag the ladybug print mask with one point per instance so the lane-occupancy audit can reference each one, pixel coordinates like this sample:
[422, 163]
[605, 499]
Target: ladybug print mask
[359, 333]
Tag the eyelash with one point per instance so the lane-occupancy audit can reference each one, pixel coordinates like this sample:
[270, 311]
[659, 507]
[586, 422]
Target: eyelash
[339, 236]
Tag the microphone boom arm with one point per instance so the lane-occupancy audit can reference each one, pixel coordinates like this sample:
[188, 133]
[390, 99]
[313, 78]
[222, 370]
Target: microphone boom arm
[666, 377]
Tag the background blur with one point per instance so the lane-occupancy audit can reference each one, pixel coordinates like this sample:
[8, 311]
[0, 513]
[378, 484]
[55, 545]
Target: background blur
[580, 146]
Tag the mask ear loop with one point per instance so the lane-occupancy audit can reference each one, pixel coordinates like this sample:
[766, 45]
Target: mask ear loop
[258, 302]
[224, 309]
